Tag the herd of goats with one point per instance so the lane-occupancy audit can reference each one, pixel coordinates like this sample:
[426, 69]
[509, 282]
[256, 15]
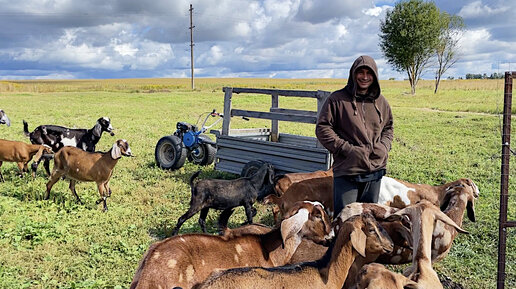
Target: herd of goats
[310, 246]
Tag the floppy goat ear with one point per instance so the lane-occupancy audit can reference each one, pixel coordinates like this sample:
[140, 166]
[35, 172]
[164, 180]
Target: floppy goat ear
[292, 225]
[97, 130]
[115, 151]
[358, 240]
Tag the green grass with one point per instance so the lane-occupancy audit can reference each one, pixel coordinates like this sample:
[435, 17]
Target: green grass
[61, 244]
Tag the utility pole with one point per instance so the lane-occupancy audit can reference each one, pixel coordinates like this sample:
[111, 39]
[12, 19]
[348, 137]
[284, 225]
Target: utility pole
[191, 46]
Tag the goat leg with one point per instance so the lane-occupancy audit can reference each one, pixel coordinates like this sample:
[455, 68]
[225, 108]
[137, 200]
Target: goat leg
[202, 219]
[53, 179]
[1, 176]
[46, 164]
[183, 218]
[104, 204]
[108, 189]
[21, 168]
[102, 192]
[250, 212]
[224, 219]
[72, 188]
[34, 167]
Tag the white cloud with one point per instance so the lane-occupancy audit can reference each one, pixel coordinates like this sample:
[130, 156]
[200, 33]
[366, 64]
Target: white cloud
[233, 38]
[213, 56]
[477, 9]
[473, 40]
[376, 11]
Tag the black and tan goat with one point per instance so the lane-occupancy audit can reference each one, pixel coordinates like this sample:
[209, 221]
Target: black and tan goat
[4, 119]
[358, 235]
[185, 260]
[58, 136]
[20, 153]
[79, 165]
[225, 195]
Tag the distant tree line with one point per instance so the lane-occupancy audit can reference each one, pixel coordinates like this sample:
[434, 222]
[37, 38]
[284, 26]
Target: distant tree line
[485, 76]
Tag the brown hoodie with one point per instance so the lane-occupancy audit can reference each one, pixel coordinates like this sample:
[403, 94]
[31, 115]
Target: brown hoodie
[358, 131]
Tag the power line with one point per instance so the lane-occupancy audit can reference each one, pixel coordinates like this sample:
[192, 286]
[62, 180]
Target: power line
[191, 45]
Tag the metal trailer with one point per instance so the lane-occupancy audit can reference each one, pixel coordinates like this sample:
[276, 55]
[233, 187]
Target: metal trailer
[239, 149]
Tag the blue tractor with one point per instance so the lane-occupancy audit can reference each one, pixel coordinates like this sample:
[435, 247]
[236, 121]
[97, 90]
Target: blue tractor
[187, 142]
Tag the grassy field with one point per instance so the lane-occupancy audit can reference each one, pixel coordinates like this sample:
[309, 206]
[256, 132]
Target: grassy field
[61, 244]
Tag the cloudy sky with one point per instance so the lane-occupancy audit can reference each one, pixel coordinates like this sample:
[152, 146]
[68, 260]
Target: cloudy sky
[74, 39]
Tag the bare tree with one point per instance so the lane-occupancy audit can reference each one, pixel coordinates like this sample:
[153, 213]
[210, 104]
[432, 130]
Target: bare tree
[447, 47]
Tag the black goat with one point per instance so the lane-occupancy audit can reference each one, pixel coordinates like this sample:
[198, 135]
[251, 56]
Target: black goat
[58, 136]
[225, 195]
[4, 119]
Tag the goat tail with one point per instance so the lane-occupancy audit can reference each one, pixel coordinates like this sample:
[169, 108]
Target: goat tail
[192, 178]
[26, 128]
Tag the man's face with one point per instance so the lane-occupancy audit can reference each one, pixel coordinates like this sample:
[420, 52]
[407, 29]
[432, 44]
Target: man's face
[364, 79]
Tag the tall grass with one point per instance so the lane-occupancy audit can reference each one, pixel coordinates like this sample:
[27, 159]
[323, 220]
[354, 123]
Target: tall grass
[61, 244]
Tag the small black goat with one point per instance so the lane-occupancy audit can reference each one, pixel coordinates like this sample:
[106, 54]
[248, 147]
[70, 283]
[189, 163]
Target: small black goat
[58, 136]
[4, 119]
[225, 195]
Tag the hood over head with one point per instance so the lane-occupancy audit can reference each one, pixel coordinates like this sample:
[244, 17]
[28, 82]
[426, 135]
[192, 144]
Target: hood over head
[367, 61]
[374, 90]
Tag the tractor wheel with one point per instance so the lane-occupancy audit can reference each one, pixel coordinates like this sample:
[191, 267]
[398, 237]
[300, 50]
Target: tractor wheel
[170, 153]
[251, 168]
[204, 154]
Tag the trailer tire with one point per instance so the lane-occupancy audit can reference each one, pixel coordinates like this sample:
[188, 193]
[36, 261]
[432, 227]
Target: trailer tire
[170, 153]
[251, 168]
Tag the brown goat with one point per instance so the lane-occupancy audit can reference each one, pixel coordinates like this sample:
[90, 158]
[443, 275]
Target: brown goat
[20, 153]
[457, 200]
[309, 251]
[423, 217]
[186, 260]
[358, 235]
[79, 165]
[303, 190]
[283, 182]
[376, 276]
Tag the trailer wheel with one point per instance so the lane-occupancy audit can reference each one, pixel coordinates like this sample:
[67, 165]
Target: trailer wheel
[251, 168]
[203, 155]
[170, 153]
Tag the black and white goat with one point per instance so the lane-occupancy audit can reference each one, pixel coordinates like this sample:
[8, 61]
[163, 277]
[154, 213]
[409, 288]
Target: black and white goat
[4, 119]
[58, 136]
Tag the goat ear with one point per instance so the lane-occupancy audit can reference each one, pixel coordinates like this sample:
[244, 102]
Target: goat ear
[115, 152]
[358, 240]
[445, 219]
[470, 207]
[405, 234]
[294, 224]
[7, 120]
[409, 284]
[97, 130]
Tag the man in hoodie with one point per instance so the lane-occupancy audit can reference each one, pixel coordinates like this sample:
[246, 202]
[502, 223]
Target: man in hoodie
[355, 124]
